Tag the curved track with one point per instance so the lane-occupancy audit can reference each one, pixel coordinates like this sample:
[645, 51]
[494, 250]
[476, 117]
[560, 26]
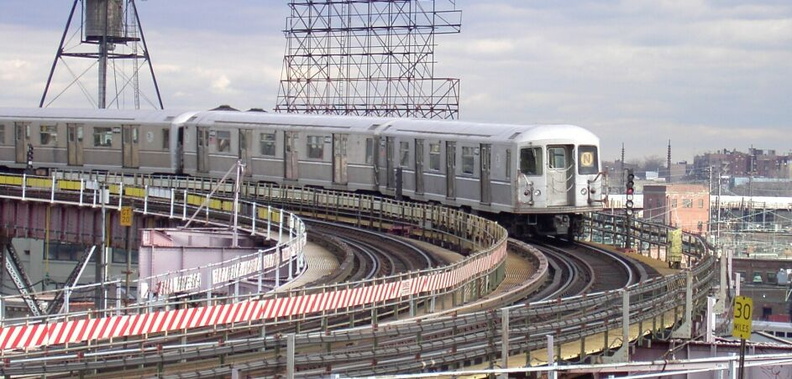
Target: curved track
[412, 345]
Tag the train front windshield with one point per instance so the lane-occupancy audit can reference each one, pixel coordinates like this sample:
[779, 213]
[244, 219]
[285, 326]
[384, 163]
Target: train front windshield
[588, 161]
[531, 161]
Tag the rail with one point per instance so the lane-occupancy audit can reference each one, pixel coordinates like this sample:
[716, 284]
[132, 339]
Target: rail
[174, 198]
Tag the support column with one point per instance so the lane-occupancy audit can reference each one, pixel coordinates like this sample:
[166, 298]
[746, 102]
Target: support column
[623, 353]
[686, 329]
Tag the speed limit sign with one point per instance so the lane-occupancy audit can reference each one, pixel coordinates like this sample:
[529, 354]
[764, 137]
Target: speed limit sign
[743, 314]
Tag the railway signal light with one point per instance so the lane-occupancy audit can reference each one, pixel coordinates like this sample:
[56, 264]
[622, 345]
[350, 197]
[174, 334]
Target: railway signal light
[30, 157]
[629, 192]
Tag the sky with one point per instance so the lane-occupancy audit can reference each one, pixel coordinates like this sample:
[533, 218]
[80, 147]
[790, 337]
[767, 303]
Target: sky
[704, 75]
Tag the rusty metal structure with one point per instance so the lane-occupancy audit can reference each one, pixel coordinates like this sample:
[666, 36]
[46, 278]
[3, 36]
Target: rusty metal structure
[371, 58]
[110, 35]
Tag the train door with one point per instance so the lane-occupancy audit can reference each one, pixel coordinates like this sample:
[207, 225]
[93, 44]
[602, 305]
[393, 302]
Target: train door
[560, 175]
[22, 141]
[450, 169]
[178, 159]
[74, 144]
[419, 176]
[244, 149]
[202, 152]
[130, 147]
[376, 159]
[484, 178]
[340, 158]
[290, 157]
[389, 166]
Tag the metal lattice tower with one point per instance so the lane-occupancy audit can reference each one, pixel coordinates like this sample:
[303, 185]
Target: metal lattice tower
[111, 36]
[367, 58]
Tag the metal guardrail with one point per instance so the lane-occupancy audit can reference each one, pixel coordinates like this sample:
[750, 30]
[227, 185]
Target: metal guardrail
[485, 264]
[653, 305]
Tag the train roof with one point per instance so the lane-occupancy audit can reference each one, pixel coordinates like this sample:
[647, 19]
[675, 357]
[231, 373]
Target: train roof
[291, 120]
[418, 128]
[493, 132]
[89, 115]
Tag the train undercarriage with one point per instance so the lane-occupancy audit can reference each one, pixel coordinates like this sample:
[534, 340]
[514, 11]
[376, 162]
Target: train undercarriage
[522, 226]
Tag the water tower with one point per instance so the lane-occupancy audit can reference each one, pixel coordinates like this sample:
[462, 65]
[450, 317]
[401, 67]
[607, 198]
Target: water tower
[110, 41]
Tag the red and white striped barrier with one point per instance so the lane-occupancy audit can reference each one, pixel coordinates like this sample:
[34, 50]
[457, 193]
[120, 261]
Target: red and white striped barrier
[85, 330]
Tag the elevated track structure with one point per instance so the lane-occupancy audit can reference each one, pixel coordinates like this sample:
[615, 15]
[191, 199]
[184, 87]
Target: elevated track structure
[162, 333]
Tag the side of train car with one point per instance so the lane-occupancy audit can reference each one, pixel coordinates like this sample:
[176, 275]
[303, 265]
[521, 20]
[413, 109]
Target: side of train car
[532, 179]
[86, 139]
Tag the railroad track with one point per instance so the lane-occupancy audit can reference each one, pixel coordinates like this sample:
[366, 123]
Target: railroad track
[353, 343]
[432, 343]
[375, 254]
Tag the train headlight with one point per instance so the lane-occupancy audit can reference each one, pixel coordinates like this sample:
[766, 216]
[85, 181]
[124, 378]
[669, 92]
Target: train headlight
[537, 193]
[584, 191]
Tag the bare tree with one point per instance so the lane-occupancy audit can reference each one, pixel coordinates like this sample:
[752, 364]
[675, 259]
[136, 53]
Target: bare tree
[653, 163]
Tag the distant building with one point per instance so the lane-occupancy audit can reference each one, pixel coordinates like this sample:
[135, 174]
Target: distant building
[686, 206]
[722, 162]
[678, 171]
[755, 163]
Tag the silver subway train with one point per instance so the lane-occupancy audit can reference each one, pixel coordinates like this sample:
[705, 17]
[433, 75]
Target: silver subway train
[533, 179]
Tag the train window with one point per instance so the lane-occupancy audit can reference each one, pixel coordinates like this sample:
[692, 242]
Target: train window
[369, 150]
[165, 139]
[315, 147]
[267, 144]
[103, 136]
[2, 134]
[49, 134]
[434, 156]
[508, 164]
[587, 160]
[223, 141]
[531, 161]
[468, 160]
[404, 154]
[556, 157]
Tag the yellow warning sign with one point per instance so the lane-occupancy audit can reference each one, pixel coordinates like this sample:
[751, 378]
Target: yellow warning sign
[743, 315]
[126, 216]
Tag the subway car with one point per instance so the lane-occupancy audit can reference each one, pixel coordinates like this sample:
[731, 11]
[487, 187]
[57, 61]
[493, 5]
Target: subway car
[533, 179]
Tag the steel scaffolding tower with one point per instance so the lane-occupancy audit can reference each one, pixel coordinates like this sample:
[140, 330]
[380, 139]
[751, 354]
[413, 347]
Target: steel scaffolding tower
[113, 26]
[367, 58]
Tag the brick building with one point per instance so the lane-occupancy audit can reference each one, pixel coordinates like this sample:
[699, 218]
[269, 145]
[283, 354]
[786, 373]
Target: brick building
[685, 206]
[756, 163]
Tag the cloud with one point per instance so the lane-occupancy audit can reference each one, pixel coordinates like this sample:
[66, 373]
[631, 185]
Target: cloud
[639, 72]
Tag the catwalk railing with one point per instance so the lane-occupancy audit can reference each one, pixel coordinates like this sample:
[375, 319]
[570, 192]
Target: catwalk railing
[179, 198]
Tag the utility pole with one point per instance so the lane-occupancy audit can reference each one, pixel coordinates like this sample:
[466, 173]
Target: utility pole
[668, 162]
[709, 186]
[622, 165]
